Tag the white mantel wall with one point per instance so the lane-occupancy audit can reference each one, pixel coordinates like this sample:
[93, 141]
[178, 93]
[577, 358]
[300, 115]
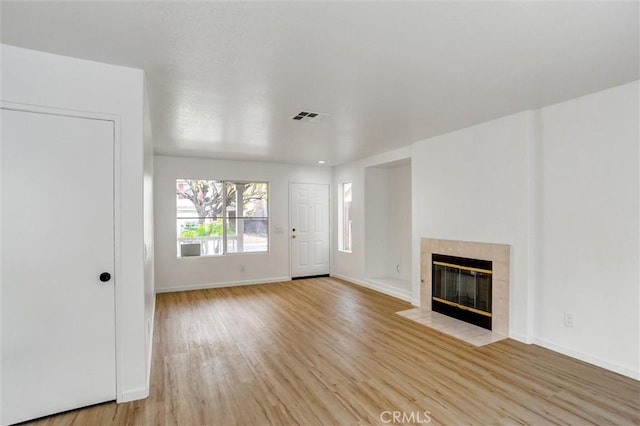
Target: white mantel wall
[473, 185]
[173, 274]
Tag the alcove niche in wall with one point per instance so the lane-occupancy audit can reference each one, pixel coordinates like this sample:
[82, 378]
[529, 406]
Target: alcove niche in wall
[388, 225]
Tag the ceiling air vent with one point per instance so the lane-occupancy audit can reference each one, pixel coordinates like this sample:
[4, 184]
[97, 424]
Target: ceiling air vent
[308, 116]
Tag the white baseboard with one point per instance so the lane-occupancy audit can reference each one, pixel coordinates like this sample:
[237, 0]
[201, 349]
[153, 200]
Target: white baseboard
[389, 291]
[522, 338]
[415, 302]
[133, 395]
[634, 374]
[221, 285]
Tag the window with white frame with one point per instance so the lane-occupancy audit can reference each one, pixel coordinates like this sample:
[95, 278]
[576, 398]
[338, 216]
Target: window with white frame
[216, 217]
[344, 222]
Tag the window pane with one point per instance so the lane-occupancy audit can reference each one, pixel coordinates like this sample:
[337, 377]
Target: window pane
[199, 217]
[232, 196]
[347, 192]
[346, 216]
[201, 198]
[208, 211]
[247, 235]
[248, 228]
[255, 200]
[201, 237]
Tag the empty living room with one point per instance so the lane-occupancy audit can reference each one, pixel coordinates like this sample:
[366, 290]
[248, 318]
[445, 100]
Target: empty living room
[319, 212]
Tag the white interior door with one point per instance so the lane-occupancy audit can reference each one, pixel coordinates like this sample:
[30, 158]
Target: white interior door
[309, 229]
[57, 221]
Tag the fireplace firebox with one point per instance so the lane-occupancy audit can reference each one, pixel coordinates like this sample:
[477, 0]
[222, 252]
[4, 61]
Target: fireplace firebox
[461, 288]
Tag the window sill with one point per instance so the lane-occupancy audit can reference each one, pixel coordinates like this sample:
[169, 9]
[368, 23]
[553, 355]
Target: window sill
[208, 256]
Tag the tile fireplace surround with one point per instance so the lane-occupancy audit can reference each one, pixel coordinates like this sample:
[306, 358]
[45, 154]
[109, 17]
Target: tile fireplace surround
[499, 254]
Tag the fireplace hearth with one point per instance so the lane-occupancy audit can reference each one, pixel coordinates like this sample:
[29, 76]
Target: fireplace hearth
[462, 289]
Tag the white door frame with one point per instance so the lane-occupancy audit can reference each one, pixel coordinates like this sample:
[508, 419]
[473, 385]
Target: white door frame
[117, 214]
[330, 258]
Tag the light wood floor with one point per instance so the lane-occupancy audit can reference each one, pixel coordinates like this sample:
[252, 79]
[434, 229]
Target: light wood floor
[322, 351]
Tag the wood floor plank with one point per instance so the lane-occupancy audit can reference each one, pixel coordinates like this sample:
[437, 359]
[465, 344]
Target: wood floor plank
[326, 352]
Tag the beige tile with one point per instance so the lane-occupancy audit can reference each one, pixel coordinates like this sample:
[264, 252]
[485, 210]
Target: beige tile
[469, 333]
[486, 339]
[499, 254]
[413, 314]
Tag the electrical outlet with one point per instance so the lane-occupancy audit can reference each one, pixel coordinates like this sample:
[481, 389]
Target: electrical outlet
[242, 268]
[568, 319]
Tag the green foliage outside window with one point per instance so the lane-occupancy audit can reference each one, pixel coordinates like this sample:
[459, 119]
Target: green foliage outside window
[205, 230]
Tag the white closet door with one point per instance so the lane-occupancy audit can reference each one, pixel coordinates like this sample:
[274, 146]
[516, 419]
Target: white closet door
[309, 229]
[57, 228]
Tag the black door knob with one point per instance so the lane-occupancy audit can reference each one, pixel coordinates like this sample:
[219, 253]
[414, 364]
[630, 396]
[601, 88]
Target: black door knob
[105, 276]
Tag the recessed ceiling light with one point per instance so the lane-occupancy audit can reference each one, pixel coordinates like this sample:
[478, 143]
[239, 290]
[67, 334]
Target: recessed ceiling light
[321, 161]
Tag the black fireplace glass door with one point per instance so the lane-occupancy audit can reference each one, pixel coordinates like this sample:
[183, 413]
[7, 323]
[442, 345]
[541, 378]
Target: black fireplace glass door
[483, 297]
[466, 286]
[461, 288]
[446, 283]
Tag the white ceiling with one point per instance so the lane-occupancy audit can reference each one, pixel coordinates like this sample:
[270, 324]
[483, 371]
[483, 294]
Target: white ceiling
[225, 78]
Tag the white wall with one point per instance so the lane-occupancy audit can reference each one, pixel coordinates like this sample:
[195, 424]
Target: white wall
[561, 186]
[400, 237]
[174, 274]
[54, 81]
[352, 266]
[388, 224]
[473, 185]
[376, 221]
[149, 281]
[587, 233]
